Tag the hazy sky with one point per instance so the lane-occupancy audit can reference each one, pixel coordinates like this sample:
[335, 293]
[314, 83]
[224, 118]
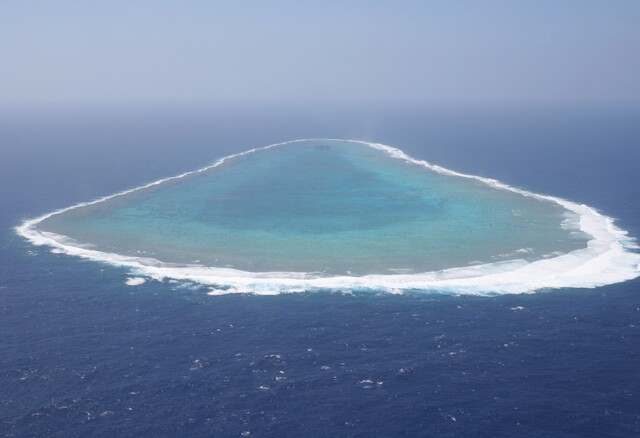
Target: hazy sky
[237, 52]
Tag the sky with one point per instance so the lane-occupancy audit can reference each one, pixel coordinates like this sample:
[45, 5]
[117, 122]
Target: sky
[456, 53]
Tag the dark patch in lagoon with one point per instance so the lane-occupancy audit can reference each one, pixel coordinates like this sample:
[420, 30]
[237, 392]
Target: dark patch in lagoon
[335, 214]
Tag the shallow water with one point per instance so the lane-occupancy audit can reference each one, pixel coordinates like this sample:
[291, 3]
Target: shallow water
[328, 206]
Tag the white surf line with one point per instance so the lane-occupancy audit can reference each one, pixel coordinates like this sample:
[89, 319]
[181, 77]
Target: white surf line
[31, 222]
[607, 259]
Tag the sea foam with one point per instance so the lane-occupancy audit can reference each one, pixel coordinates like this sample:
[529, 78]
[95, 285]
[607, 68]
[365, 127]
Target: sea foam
[608, 258]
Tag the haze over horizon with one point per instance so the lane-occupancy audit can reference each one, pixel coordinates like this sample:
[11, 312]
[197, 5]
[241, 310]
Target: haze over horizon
[233, 53]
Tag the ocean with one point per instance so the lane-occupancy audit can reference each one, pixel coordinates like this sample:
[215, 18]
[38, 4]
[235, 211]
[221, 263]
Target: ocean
[84, 353]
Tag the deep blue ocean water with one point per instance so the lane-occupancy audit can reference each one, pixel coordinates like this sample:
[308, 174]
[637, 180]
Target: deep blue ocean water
[81, 353]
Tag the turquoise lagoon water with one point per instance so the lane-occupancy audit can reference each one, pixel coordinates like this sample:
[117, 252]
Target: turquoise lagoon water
[323, 206]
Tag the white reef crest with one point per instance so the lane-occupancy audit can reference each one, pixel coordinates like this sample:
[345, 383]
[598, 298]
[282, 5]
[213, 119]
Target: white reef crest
[609, 257]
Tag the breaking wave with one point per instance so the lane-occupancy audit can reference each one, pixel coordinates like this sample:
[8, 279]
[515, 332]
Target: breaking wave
[608, 258]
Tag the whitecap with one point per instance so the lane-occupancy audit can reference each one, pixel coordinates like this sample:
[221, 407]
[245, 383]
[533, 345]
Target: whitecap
[135, 281]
